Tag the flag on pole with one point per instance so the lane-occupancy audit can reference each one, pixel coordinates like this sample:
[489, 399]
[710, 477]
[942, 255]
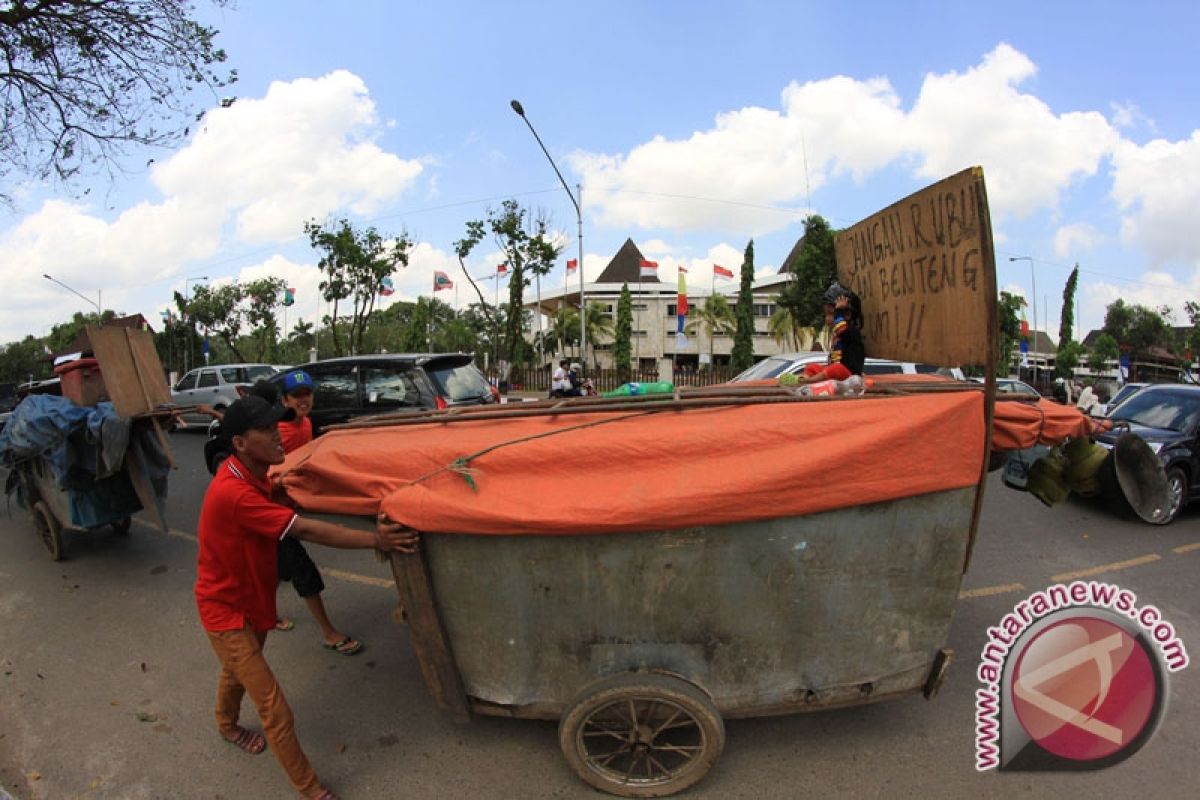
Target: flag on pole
[289, 296]
[385, 286]
[501, 269]
[572, 264]
[681, 307]
[441, 281]
[721, 272]
[649, 268]
[1024, 322]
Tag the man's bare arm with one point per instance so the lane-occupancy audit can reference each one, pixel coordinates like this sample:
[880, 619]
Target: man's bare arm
[386, 536]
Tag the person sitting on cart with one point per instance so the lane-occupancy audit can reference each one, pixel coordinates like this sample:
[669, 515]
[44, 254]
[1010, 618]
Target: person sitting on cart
[558, 382]
[295, 565]
[847, 355]
[239, 531]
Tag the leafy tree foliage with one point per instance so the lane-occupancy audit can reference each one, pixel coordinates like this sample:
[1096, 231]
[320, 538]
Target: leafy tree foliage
[743, 337]
[82, 80]
[1067, 324]
[1008, 312]
[814, 269]
[622, 344]
[1068, 358]
[354, 264]
[563, 333]
[1105, 351]
[24, 360]
[1136, 327]
[784, 329]
[715, 316]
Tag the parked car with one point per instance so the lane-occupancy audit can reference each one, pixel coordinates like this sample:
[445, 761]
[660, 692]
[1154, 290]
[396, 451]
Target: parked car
[216, 386]
[1124, 393]
[1167, 417]
[357, 386]
[791, 363]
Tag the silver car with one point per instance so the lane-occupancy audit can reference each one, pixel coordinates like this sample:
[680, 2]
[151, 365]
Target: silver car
[216, 386]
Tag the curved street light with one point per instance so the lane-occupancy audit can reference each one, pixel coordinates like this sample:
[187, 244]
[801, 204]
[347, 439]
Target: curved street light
[96, 302]
[517, 107]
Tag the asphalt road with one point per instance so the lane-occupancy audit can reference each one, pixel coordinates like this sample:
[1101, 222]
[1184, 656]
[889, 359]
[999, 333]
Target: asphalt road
[106, 679]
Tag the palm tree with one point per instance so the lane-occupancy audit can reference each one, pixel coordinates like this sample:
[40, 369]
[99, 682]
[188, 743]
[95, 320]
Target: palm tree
[563, 331]
[784, 328]
[715, 316]
[599, 324]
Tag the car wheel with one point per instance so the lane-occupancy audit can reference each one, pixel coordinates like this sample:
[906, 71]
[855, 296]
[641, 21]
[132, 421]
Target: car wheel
[1177, 492]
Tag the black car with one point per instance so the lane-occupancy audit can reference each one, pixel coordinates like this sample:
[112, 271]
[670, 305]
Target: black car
[1167, 417]
[356, 386]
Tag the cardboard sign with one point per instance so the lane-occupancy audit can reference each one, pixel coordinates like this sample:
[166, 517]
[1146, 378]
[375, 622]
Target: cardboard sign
[926, 274]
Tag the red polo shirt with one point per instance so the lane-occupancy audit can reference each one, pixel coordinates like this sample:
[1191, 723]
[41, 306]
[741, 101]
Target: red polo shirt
[295, 434]
[239, 532]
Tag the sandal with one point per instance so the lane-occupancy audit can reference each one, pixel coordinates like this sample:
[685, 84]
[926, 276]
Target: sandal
[347, 647]
[284, 624]
[326, 795]
[253, 743]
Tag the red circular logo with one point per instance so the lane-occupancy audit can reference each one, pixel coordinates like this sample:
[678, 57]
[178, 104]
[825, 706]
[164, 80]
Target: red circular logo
[1084, 688]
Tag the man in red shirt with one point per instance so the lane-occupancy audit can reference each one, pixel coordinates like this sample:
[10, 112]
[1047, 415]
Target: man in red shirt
[236, 576]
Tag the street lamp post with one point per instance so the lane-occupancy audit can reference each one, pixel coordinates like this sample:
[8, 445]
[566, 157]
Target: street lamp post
[1033, 281]
[516, 106]
[96, 302]
[187, 358]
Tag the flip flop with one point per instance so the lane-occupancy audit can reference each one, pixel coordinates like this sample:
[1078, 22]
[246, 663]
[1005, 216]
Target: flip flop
[253, 743]
[284, 624]
[347, 647]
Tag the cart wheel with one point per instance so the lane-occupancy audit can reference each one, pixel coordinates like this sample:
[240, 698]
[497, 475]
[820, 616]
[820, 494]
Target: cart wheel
[49, 529]
[641, 735]
[121, 526]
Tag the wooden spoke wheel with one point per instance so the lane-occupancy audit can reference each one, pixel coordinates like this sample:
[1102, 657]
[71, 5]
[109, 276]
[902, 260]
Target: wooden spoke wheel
[48, 529]
[642, 735]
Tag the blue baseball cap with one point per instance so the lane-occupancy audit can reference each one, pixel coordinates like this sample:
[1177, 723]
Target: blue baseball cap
[297, 380]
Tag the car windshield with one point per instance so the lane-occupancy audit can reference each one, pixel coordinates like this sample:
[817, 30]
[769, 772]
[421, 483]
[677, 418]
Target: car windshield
[1175, 410]
[260, 371]
[767, 368]
[1125, 392]
[460, 383]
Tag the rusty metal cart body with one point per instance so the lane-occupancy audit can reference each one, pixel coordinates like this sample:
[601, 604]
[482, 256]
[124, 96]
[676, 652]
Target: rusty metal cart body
[641, 641]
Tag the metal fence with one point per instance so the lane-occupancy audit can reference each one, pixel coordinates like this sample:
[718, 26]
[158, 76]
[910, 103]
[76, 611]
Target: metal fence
[533, 379]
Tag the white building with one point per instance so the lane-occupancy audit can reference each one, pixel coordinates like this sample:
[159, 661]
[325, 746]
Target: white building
[654, 306]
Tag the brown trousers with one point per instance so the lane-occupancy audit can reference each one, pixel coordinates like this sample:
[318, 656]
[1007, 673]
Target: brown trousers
[244, 670]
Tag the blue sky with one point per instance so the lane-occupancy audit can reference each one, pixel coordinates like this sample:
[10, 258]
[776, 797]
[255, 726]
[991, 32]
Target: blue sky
[692, 127]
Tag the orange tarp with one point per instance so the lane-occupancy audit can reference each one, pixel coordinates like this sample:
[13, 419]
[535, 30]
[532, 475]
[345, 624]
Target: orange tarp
[1018, 424]
[639, 470]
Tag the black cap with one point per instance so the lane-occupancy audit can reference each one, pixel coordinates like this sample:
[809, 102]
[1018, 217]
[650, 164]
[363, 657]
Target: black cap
[252, 412]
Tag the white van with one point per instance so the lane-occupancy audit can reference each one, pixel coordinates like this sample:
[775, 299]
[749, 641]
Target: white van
[791, 363]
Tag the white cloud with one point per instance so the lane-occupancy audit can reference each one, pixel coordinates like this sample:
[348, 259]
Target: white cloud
[1070, 240]
[265, 165]
[1156, 186]
[756, 157]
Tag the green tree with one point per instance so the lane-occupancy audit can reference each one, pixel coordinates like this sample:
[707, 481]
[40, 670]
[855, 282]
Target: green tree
[743, 338]
[622, 343]
[1191, 337]
[354, 265]
[24, 361]
[1067, 324]
[814, 269]
[1067, 359]
[714, 317]
[563, 333]
[262, 297]
[527, 254]
[1104, 352]
[1136, 327]
[600, 325]
[784, 329]
[218, 310]
[1008, 313]
[83, 80]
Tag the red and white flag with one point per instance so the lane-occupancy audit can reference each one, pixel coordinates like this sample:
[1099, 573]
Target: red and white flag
[572, 265]
[721, 272]
[649, 268]
[502, 269]
[441, 281]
